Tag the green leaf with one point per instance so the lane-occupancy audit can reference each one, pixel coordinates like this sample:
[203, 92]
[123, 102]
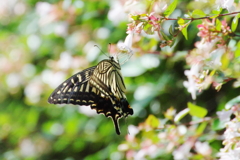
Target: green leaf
[196, 110]
[217, 125]
[217, 11]
[143, 15]
[171, 30]
[237, 52]
[218, 25]
[152, 121]
[170, 8]
[148, 28]
[235, 22]
[184, 27]
[184, 32]
[219, 86]
[180, 21]
[198, 13]
[225, 61]
[232, 102]
[212, 73]
[181, 114]
[201, 128]
[173, 41]
[135, 17]
[164, 36]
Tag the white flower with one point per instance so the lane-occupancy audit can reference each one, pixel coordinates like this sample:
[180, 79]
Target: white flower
[133, 130]
[125, 49]
[191, 84]
[127, 45]
[116, 13]
[160, 6]
[27, 148]
[228, 4]
[231, 149]
[183, 152]
[34, 89]
[230, 155]
[203, 148]
[216, 56]
[133, 6]
[232, 130]
[61, 29]
[65, 60]
[224, 116]
[205, 48]
[44, 9]
[146, 151]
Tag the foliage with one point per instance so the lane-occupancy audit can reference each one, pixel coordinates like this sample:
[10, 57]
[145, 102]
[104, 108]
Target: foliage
[179, 47]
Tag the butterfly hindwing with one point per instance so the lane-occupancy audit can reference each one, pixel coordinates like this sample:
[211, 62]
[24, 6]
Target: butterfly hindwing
[108, 79]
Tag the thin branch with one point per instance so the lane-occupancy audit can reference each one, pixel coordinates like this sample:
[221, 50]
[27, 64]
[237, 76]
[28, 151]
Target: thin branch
[220, 15]
[206, 119]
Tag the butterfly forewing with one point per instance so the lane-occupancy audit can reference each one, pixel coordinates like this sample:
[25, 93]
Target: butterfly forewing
[74, 90]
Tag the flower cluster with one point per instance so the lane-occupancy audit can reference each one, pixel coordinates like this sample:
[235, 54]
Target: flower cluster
[206, 59]
[181, 141]
[209, 31]
[144, 22]
[231, 141]
[149, 25]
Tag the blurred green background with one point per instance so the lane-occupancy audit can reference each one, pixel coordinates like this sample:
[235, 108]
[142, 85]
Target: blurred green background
[45, 42]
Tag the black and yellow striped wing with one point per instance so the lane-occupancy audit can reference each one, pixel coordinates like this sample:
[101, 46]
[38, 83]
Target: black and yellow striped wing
[101, 87]
[74, 90]
[107, 76]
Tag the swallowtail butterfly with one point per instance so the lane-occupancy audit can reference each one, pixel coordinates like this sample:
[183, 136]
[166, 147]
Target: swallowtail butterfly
[101, 87]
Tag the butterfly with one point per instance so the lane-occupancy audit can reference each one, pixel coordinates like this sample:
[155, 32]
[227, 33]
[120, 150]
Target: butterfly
[101, 87]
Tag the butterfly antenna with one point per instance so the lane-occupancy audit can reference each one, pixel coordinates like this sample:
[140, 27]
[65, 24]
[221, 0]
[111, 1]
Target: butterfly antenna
[110, 45]
[100, 49]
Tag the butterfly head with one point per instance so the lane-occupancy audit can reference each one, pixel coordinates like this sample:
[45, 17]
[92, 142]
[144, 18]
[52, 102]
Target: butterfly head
[122, 56]
[114, 58]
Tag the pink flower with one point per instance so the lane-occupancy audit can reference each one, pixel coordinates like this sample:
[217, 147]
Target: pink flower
[130, 27]
[152, 17]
